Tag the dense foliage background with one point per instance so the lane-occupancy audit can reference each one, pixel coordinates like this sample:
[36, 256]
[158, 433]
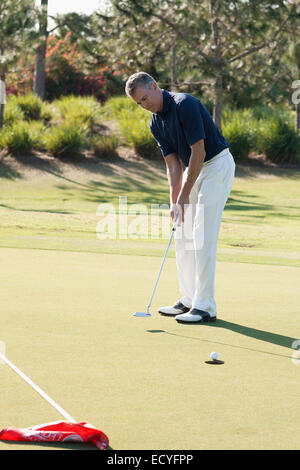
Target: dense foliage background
[240, 58]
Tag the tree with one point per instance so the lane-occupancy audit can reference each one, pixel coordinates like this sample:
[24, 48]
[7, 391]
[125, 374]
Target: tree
[296, 54]
[209, 42]
[17, 31]
[82, 34]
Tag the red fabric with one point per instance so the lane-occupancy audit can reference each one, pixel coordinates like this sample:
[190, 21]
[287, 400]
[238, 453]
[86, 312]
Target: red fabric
[60, 431]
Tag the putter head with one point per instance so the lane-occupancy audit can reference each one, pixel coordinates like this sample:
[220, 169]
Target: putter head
[142, 314]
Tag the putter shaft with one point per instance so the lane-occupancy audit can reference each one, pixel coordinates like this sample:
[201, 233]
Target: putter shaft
[150, 302]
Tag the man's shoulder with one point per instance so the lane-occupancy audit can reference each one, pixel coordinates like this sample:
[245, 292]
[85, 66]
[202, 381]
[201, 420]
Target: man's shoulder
[184, 99]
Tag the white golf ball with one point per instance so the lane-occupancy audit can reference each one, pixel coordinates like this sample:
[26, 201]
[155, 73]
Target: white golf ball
[214, 356]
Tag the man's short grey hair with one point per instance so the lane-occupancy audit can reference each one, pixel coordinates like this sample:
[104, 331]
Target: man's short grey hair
[138, 79]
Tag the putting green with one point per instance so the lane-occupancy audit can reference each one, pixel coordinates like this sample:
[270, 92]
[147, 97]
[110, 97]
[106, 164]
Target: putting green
[67, 322]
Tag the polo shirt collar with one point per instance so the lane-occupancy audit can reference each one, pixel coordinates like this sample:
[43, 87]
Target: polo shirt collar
[166, 102]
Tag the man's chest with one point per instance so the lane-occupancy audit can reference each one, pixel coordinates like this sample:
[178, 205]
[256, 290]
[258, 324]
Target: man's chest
[172, 130]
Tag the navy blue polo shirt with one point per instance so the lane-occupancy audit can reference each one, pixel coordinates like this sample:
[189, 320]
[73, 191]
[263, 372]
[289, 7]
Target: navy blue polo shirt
[183, 121]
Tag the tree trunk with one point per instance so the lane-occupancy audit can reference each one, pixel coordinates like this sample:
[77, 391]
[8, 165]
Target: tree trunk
[173, 66]
[214, 14]
[298, 104]
[40, 72]
[2, 98]
[40, 64]
[217, 114]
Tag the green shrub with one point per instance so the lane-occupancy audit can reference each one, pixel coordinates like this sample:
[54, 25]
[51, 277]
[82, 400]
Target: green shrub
[114, 107]
[65, 141]
[264, 130]
[261, 112]
[17, 139]
[12, 113]
[80, 111]
[30, 104]
[134, 125]
[3, 138]
[47, 112]
[104, 146]
[265, 112]
[278, 140]
[238, 128]
[136, 132]
[37, 133]
[72, 121]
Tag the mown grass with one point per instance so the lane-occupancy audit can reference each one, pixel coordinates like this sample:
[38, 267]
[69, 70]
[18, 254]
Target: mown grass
[71, 311]
[55, 205]
[62, 208]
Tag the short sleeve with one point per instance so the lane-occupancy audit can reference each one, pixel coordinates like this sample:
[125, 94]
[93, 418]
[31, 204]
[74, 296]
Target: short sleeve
[165, 146]
[191, 119]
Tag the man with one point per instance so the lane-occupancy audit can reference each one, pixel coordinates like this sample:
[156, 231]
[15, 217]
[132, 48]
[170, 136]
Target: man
[188, 137]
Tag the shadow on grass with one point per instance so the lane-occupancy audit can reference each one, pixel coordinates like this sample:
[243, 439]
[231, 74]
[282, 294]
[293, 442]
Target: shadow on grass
[51, 166]
[243, 201]
[124, 175]
[142, 178]
[245, 168]
[143, 181]
[9, 173]
[249, 167]
[136, 191]
[47, 211]
[261, 335]
[236, 204]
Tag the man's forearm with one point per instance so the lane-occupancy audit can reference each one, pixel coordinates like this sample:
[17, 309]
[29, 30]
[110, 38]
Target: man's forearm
[195, 164]
[175, 183]
[194, 168]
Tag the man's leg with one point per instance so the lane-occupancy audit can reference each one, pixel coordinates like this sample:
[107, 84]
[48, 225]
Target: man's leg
[184, 249]
[185, 259]
[215, 183]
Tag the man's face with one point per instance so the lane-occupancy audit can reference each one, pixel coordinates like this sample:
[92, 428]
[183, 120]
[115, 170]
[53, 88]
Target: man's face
[150, 99]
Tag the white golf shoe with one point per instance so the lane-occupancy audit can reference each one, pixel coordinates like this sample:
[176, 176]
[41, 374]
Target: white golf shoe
[173, 310]
[195, 316]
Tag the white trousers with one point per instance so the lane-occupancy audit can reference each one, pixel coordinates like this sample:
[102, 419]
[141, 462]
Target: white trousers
[196, 238]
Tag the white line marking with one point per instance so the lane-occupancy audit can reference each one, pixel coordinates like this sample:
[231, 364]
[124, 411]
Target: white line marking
[37, 389]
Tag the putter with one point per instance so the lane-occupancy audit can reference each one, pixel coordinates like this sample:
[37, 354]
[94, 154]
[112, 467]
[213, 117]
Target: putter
[147, 313]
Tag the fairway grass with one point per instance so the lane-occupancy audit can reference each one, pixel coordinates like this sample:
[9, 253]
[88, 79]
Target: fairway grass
[52, 205]
[67, 322]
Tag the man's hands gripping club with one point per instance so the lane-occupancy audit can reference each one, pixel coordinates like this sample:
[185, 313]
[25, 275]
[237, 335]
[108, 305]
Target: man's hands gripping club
[179, 193]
